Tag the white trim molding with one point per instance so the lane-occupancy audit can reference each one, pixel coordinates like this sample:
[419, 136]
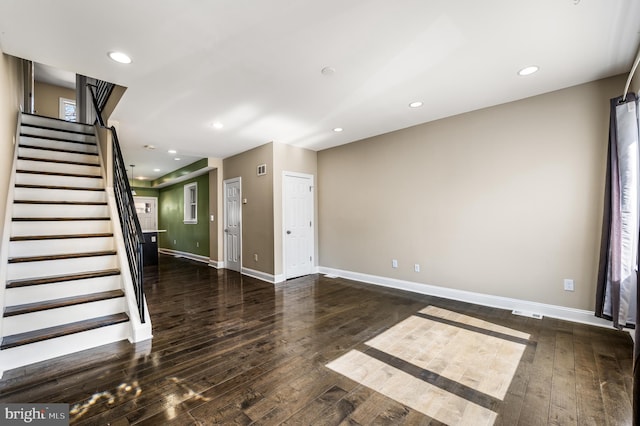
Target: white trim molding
[186, 255]
[217, 264]
[553, 311]
[263, 276]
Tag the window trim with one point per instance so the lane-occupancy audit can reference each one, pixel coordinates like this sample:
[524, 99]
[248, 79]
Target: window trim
[61, 109]
[191, 204]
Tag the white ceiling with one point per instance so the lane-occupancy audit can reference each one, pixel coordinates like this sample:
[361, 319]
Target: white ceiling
[255, 66]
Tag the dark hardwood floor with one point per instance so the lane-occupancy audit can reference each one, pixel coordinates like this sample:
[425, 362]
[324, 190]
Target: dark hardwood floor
[229, 349]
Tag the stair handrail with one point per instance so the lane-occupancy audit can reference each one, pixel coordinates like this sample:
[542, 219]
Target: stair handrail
[129, 223]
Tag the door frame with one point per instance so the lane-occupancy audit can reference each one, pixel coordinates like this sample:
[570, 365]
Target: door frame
[224, 221]
[312, 240]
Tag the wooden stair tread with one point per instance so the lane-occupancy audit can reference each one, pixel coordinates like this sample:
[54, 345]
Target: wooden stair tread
[40, 172]
[55, 219]
[61, 256]
[66, 151]
[49, 160]
[59, 237]
[69, 188]
[61, 278]
[27, 308]
[62, 330]
[69, 203]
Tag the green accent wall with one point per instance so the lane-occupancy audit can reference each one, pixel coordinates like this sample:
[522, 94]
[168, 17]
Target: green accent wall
[189, 238]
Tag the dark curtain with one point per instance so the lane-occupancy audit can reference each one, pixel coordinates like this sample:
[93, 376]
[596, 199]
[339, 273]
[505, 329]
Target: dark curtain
[618, 275]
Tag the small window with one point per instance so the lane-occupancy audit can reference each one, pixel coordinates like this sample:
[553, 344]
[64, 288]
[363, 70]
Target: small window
[68, 109]
[191, 203]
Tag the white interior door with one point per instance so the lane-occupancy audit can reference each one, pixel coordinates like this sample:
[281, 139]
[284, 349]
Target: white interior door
[147, 210]
[298, 224]
[233, 224]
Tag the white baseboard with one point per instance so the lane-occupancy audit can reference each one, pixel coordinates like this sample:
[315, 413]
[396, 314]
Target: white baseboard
[553, 311]
[186, 255]
[263, 276]
[216, 264]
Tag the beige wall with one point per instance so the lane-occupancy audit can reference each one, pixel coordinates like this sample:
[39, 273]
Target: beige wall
[47, 98]
[290, 159]
[504, 201]
[257, 213]
[10, 104]
[216, 231]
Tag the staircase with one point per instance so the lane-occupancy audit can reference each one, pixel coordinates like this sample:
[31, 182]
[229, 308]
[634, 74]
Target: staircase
[64, 288]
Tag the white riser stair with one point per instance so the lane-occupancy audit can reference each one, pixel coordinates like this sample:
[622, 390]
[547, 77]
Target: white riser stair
[56, 193]
[89, 148]
[51, 155]
[45, 166]
[24, 270]
[64, 291]
[42, 292]
[42, 179]
[43, 247]
[23, 210]
[53, 317]
[57, 134]
[46, 122]
[45, 227]
[44, 211]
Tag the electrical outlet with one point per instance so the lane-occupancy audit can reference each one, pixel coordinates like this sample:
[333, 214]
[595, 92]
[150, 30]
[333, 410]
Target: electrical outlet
[568, 285]
[416, 267]
[174, 242]
[394, 263]
[197, 244]
[255, 257]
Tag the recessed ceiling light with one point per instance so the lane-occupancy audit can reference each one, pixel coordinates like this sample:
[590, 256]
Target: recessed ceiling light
[141, 178]
[120, 57]
[528, 70]
[338, 129]
[156, 170]
[172, 151]
[217, 125]
[177, 159]
[416, 104]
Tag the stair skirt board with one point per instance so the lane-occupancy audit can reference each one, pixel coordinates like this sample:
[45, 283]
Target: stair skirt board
[42, 292]
[60, 346]
[54, 317]
[44, 179]
[89, 148]
[43, 268]
[60, 246]
[45, 227]
[59, 210]
[45, 166]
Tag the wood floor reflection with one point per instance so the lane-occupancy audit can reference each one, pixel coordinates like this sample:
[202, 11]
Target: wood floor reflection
[229, 349]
